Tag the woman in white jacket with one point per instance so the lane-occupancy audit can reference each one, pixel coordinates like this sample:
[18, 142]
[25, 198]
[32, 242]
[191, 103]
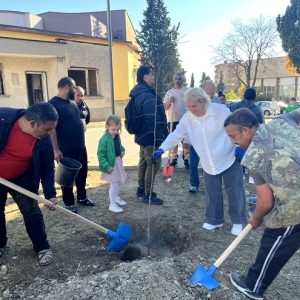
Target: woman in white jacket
[203, 126]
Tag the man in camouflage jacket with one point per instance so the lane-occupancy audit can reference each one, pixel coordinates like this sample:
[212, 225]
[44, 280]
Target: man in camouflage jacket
[273, 160]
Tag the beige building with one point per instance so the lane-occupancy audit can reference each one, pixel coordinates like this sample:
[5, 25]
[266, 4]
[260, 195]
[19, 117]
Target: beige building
[33, 59]
[273, 80]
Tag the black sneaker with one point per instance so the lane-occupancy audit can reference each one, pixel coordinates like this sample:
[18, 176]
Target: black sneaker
[86, 202]
[186, 164]
[72, 208]
[238, 282]
[174, 162]
[140, 193]
[154, 199]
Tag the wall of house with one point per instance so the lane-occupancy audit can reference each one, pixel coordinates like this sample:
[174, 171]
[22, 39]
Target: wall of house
[14, 76]
[21, 19]
[130, 32]
[67, 23]
[89, 53]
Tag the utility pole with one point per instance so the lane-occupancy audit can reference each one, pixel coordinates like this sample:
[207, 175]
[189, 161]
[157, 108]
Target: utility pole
[109, 37]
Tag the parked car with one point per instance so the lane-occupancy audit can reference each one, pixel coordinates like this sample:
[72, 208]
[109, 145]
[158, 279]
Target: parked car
[266, 107]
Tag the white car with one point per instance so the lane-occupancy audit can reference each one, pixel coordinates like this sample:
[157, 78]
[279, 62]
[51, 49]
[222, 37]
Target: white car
[266, 108]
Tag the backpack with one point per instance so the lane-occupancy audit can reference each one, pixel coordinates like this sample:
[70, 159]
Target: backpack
[134, 119]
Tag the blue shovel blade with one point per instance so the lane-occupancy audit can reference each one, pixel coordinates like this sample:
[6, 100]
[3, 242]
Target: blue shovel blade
[120, 238]
[117, 244]
[204, 278]
[124, 231]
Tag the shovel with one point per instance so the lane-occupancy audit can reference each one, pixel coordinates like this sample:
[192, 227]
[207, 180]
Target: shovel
[120, 238]
[168, 170]
[203, 277]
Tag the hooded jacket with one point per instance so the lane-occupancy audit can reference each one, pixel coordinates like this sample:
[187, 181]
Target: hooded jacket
[43, 155]
[251, 106]
[151, 106]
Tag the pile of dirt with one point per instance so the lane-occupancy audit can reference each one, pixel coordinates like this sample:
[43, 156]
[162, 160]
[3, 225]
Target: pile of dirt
[84, 269]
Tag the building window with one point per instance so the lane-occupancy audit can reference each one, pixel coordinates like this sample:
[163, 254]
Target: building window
[269, 91]
[86, 78]
[286, 91]
[1, 84]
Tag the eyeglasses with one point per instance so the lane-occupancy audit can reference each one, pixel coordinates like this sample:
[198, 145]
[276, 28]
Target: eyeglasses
[178, 79]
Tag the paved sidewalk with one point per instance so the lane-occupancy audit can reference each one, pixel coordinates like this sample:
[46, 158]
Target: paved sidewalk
[131, 158]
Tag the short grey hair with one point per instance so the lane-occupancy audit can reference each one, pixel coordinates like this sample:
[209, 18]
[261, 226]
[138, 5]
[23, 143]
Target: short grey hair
[197, 94]
[206, 83]
[80, 89]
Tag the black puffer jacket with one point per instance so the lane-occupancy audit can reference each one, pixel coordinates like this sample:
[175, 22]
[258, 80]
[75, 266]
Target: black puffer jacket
[146, 99]
[43, 155]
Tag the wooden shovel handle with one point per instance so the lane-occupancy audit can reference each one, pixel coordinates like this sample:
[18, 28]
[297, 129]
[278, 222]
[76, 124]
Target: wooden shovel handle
[233, 245]
[45, 201]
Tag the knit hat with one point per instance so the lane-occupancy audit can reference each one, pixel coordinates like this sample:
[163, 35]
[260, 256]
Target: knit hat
[250, 94]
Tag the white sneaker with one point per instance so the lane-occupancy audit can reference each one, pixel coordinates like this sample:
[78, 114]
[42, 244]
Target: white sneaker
[237, 229]
[211, 227]
[115, 208]
[121, 202]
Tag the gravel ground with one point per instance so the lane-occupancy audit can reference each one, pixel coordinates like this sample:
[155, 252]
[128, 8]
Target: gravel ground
[84, 269]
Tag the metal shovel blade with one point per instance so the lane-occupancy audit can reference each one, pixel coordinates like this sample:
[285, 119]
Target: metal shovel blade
[204, 278]
[120, 238]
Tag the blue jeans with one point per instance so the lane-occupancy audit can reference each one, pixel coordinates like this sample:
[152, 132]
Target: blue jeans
[194, 162]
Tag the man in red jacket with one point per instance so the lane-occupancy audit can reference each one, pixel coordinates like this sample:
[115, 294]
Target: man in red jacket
[26, 158]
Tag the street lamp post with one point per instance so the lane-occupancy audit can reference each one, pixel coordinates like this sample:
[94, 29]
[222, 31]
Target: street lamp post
[109, 37]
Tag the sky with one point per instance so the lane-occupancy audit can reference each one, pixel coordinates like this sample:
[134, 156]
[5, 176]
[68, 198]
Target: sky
[203, 24]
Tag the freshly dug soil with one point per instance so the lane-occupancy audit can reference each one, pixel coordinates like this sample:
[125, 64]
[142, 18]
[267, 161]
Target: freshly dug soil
[84, 269]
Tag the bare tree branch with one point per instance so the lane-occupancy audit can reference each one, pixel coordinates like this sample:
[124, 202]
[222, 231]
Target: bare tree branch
[245, 46]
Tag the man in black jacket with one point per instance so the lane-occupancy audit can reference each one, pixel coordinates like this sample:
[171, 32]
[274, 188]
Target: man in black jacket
[26, 158]
[248, 102]
[153, 132]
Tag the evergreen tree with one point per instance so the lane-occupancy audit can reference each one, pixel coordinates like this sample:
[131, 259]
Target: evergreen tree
[204, 78]
[288, 27]
[221, 84]
[192, 84]
[158, 44]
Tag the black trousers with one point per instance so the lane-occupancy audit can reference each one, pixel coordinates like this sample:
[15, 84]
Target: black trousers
[277, 246]
[32, 215]
[80, 182]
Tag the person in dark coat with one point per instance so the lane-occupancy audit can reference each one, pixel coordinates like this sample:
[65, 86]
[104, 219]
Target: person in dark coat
[153, 132]
[85, 114]
[26, 159]
[248, 102]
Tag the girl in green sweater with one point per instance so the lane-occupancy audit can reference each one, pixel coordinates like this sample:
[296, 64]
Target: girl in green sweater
[110, 153]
